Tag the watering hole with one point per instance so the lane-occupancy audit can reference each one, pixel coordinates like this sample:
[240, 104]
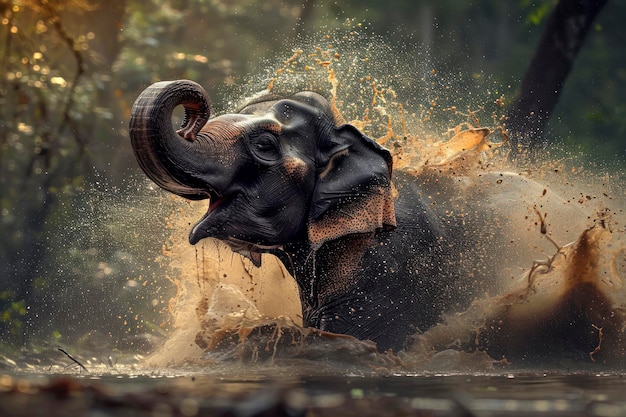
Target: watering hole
[546, 277]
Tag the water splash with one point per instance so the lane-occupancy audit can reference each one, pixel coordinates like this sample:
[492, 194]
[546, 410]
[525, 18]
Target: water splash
[549, 268]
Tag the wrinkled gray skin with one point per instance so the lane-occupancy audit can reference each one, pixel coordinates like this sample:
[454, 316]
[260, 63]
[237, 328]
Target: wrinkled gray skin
[286, 177]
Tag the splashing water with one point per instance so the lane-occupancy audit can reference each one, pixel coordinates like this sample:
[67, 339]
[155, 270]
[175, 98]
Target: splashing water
[548, 276]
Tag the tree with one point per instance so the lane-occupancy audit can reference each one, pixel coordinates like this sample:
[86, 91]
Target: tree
[545, 77]
[48, 107]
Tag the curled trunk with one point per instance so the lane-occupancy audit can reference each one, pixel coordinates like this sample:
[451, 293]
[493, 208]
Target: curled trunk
[172, 159]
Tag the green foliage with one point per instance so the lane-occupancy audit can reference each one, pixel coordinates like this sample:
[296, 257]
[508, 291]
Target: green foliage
[12, 313]
[538, 11]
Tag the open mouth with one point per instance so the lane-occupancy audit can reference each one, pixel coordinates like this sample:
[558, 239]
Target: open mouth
[202, 228]
[214, 203]
[210, 226]
[216, 200]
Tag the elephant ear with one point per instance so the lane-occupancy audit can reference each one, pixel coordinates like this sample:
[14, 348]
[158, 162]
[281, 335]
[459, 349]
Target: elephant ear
[353, 189]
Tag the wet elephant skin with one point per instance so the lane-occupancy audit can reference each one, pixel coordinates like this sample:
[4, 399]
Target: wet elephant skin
[289, 177]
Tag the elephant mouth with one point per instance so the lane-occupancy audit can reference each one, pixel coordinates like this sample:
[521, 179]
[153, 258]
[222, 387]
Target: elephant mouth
[208, 226]
[201, 229]
[249, 250]
[214, 203]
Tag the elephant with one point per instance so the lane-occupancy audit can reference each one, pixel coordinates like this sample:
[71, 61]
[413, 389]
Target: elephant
[287, 176]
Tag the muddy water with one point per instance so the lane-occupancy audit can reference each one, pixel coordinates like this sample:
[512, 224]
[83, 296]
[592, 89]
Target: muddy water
[190, 395]
[546, 271]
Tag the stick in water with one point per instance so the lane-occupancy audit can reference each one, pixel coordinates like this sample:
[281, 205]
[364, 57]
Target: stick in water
[73, 359]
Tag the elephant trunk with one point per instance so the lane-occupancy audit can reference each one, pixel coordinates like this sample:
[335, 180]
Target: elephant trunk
[172, 158]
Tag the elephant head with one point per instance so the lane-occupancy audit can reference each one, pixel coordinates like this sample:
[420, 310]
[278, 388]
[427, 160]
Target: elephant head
[278, 173]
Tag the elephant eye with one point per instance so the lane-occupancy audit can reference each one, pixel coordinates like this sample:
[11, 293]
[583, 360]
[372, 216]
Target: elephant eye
[265, 147]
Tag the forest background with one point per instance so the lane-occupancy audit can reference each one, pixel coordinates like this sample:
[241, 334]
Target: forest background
[77, 260]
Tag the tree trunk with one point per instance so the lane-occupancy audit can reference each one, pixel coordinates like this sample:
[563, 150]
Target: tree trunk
[541, 87]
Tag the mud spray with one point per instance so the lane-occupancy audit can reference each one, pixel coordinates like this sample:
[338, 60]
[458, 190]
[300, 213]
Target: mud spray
[548, 277]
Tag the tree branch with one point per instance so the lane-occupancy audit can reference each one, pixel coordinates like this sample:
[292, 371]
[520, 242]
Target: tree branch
[54, 18]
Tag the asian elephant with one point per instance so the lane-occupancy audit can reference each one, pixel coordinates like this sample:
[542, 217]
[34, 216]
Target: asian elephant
[288, 177]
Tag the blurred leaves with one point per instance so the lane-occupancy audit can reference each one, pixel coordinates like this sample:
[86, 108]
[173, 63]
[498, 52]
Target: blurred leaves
[45, 102]
[538, 11]
[12, 313]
